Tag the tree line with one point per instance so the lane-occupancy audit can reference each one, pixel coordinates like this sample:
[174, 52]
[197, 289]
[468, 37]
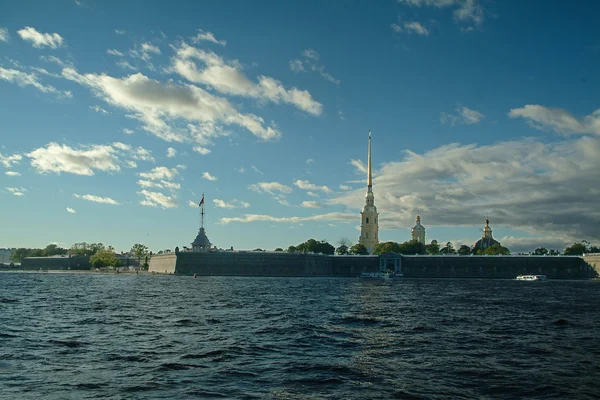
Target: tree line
[100, 255]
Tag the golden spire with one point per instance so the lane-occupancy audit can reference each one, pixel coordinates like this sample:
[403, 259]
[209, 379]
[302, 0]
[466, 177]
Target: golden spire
[370, 179]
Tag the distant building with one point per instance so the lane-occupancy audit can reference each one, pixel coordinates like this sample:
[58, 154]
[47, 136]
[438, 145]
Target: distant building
[201, 243]
[418, 231]
[369, 228]
[487, 240]
[5, 255]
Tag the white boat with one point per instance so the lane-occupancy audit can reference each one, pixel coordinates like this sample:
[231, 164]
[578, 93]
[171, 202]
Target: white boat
[531, 277]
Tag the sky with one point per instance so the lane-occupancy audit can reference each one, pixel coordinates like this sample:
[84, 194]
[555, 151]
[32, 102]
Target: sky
[115, 118]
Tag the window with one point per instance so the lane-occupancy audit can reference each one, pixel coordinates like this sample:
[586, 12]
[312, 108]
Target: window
[367, 220]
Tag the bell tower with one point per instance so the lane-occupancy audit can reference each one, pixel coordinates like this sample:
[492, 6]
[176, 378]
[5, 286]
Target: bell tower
[369, 227]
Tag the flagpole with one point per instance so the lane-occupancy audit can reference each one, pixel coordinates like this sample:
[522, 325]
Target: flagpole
[202, 212]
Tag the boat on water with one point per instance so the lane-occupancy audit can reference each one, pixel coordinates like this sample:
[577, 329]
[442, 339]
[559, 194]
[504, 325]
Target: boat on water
[531, 277]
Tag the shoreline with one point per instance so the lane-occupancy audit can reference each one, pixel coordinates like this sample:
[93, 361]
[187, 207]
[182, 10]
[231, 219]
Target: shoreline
[63, 271]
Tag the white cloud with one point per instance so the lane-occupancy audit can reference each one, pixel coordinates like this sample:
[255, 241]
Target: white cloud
[359, 165]
[99, 109]
[150, 48]
[310, 61]
[4, 35]
[71, 211]
[201, 150]
[163, 184]
[306, 185]
[545, 189]
[12, 173]
[232, 204]
[17, 191]
[241, 170]
[558, 120]
[9, 161]
[97, 199]
[156, 199]
[310, 161]
[255, 169]
[38, 39]
[270, 187]
[296, 66]
[209, 177]
[312, 194]
[463, 115]
[333, 216]
[345, 187]
[131, 164]
[56, 158]
[127, 131]
[192, 204]
[114, 52]
[310, 204]
[160, 106]
[416, 28]
[158, 173]
[228, 78]
[171, 152]
[120, 32]
[465, 11]
[208, 37]
[23, 79]
[56, 60]
[126, 65]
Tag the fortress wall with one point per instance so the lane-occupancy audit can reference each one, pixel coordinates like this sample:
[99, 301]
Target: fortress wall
[507, 267]
[163, 263]
[354, 265]
[254, 264]
[593, 260]
[56, 263]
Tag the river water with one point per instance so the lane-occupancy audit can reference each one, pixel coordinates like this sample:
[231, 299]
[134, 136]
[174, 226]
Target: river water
[78, 336]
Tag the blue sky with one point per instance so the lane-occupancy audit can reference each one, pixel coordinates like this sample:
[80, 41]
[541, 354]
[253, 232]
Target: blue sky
[116, 116]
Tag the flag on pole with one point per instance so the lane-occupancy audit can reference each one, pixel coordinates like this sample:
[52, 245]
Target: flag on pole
[201, 201]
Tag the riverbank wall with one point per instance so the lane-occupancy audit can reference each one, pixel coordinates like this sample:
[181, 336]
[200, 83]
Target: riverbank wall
[306, 264]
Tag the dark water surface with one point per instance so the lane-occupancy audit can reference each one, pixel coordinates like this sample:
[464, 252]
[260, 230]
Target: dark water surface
[76, 336]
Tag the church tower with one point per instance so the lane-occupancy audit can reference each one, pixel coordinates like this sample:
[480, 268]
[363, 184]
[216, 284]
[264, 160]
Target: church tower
[369, 227]
[201, 243]
[418, 231]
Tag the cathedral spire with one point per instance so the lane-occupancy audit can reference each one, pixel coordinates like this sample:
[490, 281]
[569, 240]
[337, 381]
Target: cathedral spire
[370, 179]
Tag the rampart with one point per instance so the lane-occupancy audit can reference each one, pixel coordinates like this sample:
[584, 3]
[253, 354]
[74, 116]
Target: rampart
[593, 260]
[305, 264]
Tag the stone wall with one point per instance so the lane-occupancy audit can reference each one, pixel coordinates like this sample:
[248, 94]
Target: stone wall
[353, 265]
[56, 263]
[593, 260]
[162, 263]
[506, 267]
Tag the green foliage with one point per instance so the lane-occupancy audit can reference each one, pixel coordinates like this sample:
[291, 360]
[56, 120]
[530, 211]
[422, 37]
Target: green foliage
[342, 250]
[448, 249]
[540, 251]
[139, 251]
[386, 247]
[496, 250]
[358, 249]
[279, 249]
[53, 250]
[578, 249]
[18, 253]
[258, 249]
[433, 247]
[313, 246]
[292, 249]
[464, 250]
[412, 247]
[104, 258]
[83, 248]
[345, 241]
[50, 250]
[554, 252]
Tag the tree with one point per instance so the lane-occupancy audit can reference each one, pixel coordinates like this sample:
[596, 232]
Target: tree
[577, 249]
[464, 250]
[359, 249]
[53, 250]
[496, 250]
[279, 249]
[84, 248]
[292, 249]
[448, 249]
[412, 247]
[433, 247]
[258, 249]
[19, 253]
[386, 247]
[104, 258]
[140, 251]
[540, 251]
[554, 253]
[342, 250]
[313, 246]
[345, 242]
